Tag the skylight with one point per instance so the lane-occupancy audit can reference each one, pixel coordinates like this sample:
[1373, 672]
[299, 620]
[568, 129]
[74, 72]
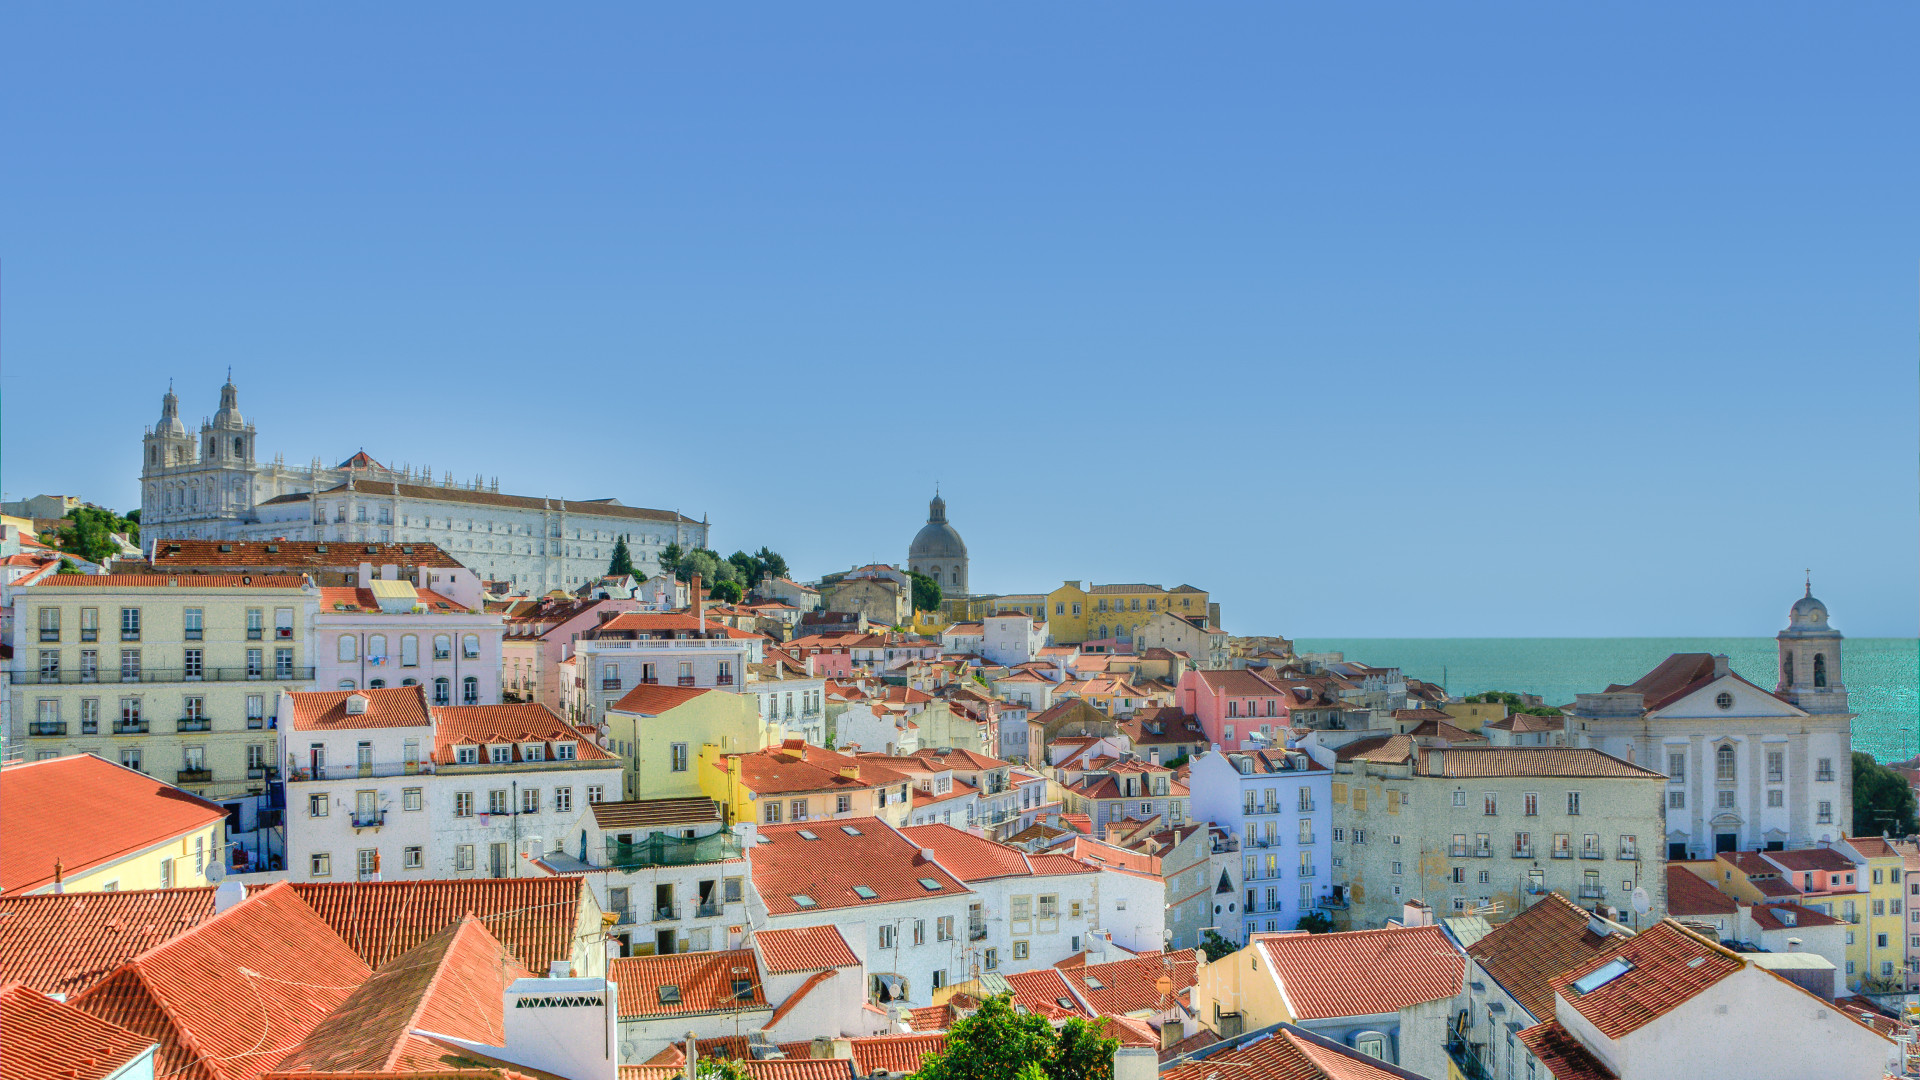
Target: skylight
[864, 893]
[1601, 976]
[929, 884]
[1094, 983]
[850, 830]
[808, 834]
[801, 899]
[669, 995]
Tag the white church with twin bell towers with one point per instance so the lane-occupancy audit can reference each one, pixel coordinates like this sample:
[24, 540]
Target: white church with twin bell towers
[1747, 767]
[214, 487]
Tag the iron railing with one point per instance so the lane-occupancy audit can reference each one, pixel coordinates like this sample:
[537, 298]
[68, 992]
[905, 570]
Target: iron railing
[659, 849]
[36, 677]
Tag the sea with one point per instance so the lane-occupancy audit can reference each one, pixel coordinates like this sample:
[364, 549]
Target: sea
[1882, 675]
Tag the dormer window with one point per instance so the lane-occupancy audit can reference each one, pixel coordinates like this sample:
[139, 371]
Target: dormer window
[500, 755]
[533, 752]
[467, 755]
[563, 751]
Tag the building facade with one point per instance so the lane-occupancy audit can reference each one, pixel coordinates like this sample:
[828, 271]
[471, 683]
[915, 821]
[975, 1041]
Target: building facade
[1279, 803]
[1115, 612]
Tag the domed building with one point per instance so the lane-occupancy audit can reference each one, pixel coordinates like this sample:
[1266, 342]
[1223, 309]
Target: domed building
[938, 552]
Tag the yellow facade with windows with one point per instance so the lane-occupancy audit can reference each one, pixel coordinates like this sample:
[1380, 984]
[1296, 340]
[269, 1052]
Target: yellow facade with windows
[663, 745]
[1077, 613]
[181, 862]
[176, 676]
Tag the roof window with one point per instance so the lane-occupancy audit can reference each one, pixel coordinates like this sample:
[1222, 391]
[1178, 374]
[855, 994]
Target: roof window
[1094, 983]
[850, 830]
[929, 884]
[1601, 976]
[1064, 1003]
[808, 834]
[865, 893]
[226, 547]
[801, 900]
[669, 995]
[319, 549]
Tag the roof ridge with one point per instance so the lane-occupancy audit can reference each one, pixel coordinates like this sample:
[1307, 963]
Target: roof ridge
[392, 1060]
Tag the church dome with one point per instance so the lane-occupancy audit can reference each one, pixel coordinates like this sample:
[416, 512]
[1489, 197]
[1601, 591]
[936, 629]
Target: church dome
[1808, 611]
[229, 414]
[936, 539]
[170, 416]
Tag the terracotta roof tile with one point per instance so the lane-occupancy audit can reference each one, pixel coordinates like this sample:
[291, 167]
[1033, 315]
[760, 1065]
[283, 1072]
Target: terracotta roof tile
[1801, 859]
[652, 700]
[970, 857]
[827, 869]
[171, 554]
[1668, 966]
[1362, 972]
[894, 1053]
[1689, 894]
[655, 813]
[792, 1068]
[51, 1040]
[1133, 984]
[577, 507]
[1526, 952]
[1674, 678]
[347, 599]
[517, 723]
[1047, 992]
[806, 948]
[1563, 1055]
[386, 707]
[1477, 761]
[1873, 847]
[180, 581]
[64, 943]
[1291, 1054]
[794, 769]
[1774, 916]
[292, 967]
[681, 984]
[380, 920]
[124, 812]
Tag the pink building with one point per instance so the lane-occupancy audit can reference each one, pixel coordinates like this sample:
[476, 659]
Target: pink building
[1237, 709]
[540, 634]
[389, 633]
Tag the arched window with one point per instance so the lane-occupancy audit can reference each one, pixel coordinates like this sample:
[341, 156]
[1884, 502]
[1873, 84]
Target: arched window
[348, 645]
[443, 646]
[442, 691]
[470, 646]
[1786, 670]
[376, 684]
[346, 684]
[409, 650]
[409, 682]
[1103, 631]
[956, 577]
[1723, 766]
[239, 447]
[377, 649]
[1819, 669]
[470, 691]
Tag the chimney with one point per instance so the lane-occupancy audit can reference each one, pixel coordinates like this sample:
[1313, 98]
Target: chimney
[698, 607]
[843, 1049]
[1720, 666]
[59, 876]
[1416, 913]
[822, 1047]
[226, 894]
[1135, 1063]
[693, 1055]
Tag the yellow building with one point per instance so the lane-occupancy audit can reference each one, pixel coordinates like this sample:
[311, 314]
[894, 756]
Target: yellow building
[172, 675]
[1099, 612]
[94, 826]
[798, 782]
[1882, 943]
[663, 735]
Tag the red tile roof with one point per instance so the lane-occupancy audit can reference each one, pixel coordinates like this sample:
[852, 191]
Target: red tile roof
[894, 1053]
[124, 812]
[1127, 1031]
[1362, 972]
[386, 707]
[827, 869]
[51, 1040]
[1526, 952]
[520, 722]
[64, 943]
[450, 984]
[806, 948]
[1669, 966]
[705, 982]
[1689, 894]
[794, 769]
[1675, 677]
[284, 961]
[1774, 916]
[1873, 847]
[969, 857]
[182, 554]
[353, 600]
[1291, 1054]
[793, 1068]
[1801, 859]
[178, 581]
[1133, 984]
[1048, 993]
[380, 920]
[652, 700]
[1565, 1057]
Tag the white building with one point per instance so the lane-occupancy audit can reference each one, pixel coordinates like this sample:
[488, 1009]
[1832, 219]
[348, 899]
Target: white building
[390, 633]
[1746, 768]
[381, 785]
[1279, 803]
[659, 648]
[1012, 638]
[214, 487]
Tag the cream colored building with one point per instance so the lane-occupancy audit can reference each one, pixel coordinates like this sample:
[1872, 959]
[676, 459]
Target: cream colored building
[175, 676]
[120, 830]
[1492, 828]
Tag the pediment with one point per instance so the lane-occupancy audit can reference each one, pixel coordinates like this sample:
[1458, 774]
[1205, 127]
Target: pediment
[1748, 701]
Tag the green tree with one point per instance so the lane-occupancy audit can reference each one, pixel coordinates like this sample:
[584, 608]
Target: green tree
[88, 532]
[708, 564]
[770, 563]
[67, 567]
[744, 565]
[718, 1068]
[1315, 922]
[1216, 946]
[728, 591]
[997, 1043]
[1883, 802]
[926, 592]
[670, 557]
[622, 559]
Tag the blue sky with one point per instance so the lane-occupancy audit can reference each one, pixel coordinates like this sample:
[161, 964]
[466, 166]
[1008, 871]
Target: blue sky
[1484, 320]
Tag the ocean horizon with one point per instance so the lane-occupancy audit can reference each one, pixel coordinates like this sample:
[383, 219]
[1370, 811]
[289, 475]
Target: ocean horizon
[1882, 675]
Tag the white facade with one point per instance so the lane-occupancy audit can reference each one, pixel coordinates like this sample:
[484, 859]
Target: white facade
[1280, 806]
[798, 705]
[916, 952]
[1012, 639]
[612, 666]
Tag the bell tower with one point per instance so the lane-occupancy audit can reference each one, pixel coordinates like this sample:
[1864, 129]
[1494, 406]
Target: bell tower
[1810, 658]
[167, 449]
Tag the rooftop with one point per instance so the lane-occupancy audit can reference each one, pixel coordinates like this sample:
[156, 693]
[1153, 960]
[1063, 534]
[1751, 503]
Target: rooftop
[1688, 894]
[845, 859]
[169, 554]
[681, 984]
[518, 724]
[655, 813]
[1363, 972]
[62, 943]
[1133, 984]
[172, 581]
[1646, 977]
[384, 707]
[1525, 953]
[51, 1040]
[125, 812]
[806, 948]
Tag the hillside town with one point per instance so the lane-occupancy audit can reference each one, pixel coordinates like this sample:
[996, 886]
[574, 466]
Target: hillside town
[356, 770]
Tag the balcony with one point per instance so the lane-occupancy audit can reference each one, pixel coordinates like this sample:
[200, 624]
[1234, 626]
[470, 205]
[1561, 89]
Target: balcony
[129, 635]
[49, 635]
[707, 910]
[35, 677]
[976, 933]
[1483, 851]
[664, 644]
[723, 680]
[1466, 1062]
[1537, 888]
[369, 819]
[356, 772]
[1309, 871]
[609, 684]
[1563, 853]
[191, 635]
[1593, 892]
[254, 633]
[1306, 807]
[261, 772]
[135, 727]
[1520, 852]
[47, 727]
[1457, 851]
[624, 916]
[262, 723]
[1336, 903]
[685, 680]
[1307, 839]
[195, 776]
[1628, 854]
[666, 913]
[1592, 853]
[193, 723]
[283, 633]
[660, 849]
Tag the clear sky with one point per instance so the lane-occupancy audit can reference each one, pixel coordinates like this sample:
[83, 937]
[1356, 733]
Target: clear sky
[1446, 320]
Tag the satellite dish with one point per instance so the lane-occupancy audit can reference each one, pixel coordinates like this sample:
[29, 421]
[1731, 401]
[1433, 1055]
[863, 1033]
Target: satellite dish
[1642, 903]
[215, 872]
[604, 742]
[605, 730]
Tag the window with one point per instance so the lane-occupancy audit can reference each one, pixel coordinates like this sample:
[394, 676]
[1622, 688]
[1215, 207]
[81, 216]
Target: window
[1825, 816]
[595, 793]
[497, 801]
[470, 646]
[195, 623]
[1824, 770]
[411, 799]
[1459, 798]
[677, 755]
[1492, 805]
[887, 937]
[131, 759]
[770, 812]
[1573, 804]
[166, 873]
[129, 665]
[463, 854]
[529, 800]
[993, 960]
[442, 688]
[283, 663]
[410, 651]
[412, 858]
[500, 755]
[1020, 950]
[1530, 804]
[320, 864]
[283, 623]
[1724, 700]
[1723, 763]
[563, 800]
[1725, 800]
[463, 804]
[470, 691]
[317, 804]
[129, 624]
[843, 804]
[1676, 800]
[443, 646]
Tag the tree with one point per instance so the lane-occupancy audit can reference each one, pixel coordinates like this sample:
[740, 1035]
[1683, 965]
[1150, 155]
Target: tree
[997, 1043]
[88, 532]
[770, 563]
[67, 566]
[728, 591]
[747, 568]
[1315, 922]
[718, 1068]
[926, 592]
[622, 560]
[1216, 946]
[670, 557]
[1883, 801]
